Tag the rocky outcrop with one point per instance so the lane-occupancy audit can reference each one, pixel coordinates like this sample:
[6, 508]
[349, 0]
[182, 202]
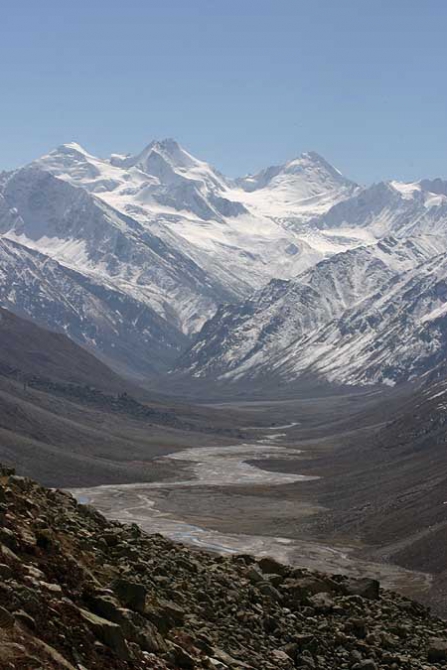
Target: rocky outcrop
[78, 591]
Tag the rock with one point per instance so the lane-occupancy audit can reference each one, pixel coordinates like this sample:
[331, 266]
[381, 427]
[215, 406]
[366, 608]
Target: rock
[269, 565]
[367, 664]
[175, 613]
[226, 659]
[5, 571]
[281, 659]
[268, 590]
[131, 594]
[274, 580]
[299, 590]
[180, 657]
[149, 639]
[214, 664]
[306, 642]
[25, 619]
[109, 633]
[254, 574]
[437, 650]
[107, 607]
[322, 602]
[356, 626]
[6, 619]
[111, 539]
[55, 589]
[365, 588]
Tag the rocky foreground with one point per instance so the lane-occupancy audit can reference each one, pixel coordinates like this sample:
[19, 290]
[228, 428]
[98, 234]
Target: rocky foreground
[80, 592]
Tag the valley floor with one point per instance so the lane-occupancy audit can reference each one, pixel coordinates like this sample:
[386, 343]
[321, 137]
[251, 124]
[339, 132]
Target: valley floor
[303, 486]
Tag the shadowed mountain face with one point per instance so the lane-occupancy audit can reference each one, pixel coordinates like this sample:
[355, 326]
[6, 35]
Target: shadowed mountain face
[28, 351]
[69, 420]
[412, 474]
[383, 482]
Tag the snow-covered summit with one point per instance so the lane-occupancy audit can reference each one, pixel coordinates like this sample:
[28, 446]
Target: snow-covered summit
[302, 188]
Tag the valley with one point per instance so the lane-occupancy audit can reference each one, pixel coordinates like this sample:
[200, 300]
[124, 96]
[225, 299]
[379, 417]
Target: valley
[223, 336]
[280, 492]
[251, 365]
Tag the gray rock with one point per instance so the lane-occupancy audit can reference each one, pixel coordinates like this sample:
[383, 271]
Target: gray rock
[131, 594]
[25, 619]
[269, 565]
[322, 602]
[367, 664]
[437, 650]
[365, 588]
[107, 632]
[6, 619]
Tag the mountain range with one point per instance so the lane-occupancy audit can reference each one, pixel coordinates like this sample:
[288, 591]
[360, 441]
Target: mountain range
[157, 262]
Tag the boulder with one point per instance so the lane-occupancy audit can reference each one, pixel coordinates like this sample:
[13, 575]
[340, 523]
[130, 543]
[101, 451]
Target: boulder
[366, 664]
[180, 657]
[300, 590]
[6, 619]
[437, 650]
[365, 588]
[131, 594]
[322, 602]
[107, 632]
[272, 567]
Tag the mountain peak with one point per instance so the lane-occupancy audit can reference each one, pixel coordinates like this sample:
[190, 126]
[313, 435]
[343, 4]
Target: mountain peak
[311, 160]
[166, 151]
[309, 168]
[313, 156]
[168, 144]
[70, 148]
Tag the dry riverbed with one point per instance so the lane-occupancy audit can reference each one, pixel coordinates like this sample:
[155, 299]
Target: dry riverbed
[197, 510]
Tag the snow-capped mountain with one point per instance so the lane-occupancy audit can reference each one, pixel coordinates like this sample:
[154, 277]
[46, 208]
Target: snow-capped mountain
[134, 279]
[235, 234]
[366, 315]
[134, 255]
[393, 208]
[297, 191]
[160, 230]
[398, 333]
[117, 327]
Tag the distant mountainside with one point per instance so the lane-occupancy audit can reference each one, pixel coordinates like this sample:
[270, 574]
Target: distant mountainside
[372, 314]
[28, 351]
[140, 258]
[68, 419]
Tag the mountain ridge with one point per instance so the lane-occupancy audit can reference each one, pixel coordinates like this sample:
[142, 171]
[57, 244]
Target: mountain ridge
[164, 234]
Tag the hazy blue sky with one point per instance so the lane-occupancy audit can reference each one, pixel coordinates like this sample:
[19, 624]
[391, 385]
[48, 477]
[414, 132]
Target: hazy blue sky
[241, 83]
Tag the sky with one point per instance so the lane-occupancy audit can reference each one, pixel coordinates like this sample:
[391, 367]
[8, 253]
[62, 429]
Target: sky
[242, 84]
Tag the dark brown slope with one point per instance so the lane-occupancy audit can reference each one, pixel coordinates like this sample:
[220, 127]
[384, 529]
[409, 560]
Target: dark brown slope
[386, 487]
[78, 591]
[27, 350]
[70, 421]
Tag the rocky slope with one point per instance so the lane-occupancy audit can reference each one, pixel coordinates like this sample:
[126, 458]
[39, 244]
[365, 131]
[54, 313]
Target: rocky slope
[28, 353]
[78, 591]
